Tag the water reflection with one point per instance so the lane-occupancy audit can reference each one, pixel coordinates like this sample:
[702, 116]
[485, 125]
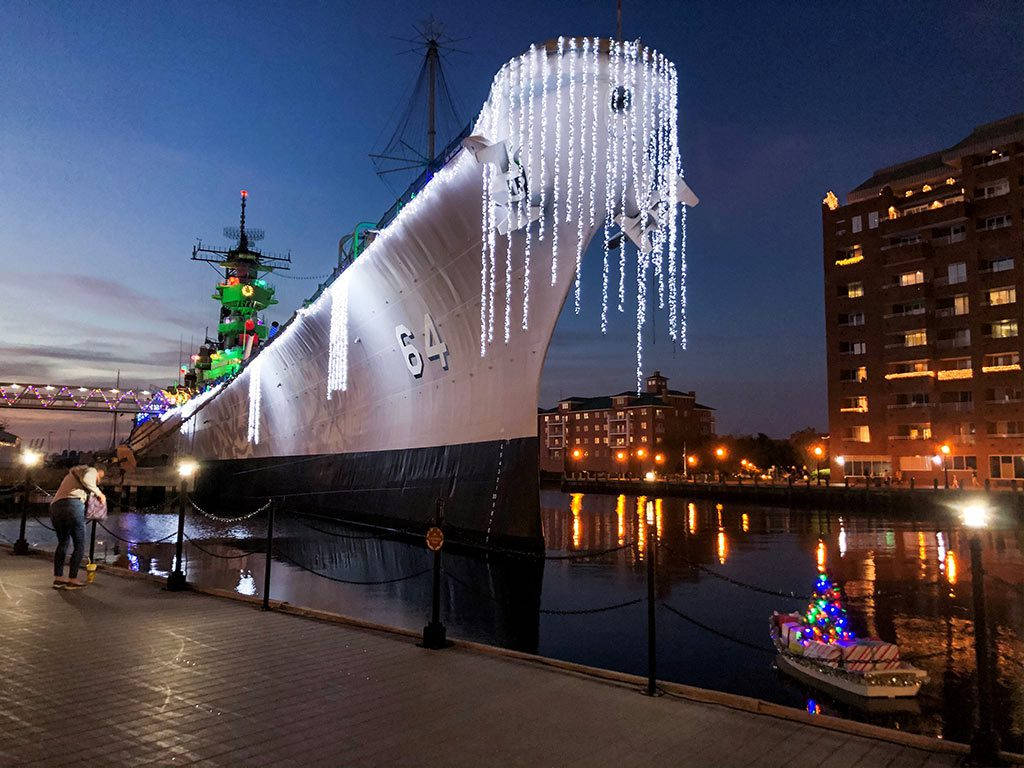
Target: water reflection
[901, 578]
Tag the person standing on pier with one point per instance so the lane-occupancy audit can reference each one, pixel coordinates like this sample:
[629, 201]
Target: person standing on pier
[67, 512]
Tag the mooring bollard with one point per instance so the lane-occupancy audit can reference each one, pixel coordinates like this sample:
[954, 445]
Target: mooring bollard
[652, 562]
[434, 635]
[270, 549]
[176, 578]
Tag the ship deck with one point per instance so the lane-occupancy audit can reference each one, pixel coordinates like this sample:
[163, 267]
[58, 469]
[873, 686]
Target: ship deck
[123, 673]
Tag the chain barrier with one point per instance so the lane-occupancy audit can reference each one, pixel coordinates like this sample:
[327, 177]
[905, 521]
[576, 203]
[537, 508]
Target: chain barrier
[47, 527]
[220, 519]
[408, 576]
[774, 650]
[45, 492]
[214, 554]
[134, 543]
[546, 611]
[745, 585]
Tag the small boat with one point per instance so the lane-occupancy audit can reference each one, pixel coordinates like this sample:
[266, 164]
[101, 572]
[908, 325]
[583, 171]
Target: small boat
[864, 676]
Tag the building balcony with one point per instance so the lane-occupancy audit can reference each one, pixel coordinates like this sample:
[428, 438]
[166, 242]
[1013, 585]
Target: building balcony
[962, 407]
[910, 437]
[1005, 401]
[959, 237]
[905, 406]
[1000, 368]
[952, 344]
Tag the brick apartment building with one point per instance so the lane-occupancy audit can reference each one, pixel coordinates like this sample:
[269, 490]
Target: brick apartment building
[609, 431]
[923, 297]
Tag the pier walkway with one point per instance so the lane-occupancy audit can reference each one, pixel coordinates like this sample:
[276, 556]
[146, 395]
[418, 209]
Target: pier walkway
[124, 673]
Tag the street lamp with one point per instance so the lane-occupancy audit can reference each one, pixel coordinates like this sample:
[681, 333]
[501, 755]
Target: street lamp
[29, 459]
[818, 453]
[621, 456]
[720, 455]
[945, 450]
[985, 740]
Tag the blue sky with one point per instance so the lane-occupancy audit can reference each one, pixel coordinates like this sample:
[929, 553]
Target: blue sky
[128, 129]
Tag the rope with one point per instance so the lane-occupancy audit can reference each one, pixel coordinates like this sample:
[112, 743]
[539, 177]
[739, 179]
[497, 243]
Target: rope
[47, 527]
[219, 519]
[350, 581]
[129, 541]
[214, 554]
[302, 277]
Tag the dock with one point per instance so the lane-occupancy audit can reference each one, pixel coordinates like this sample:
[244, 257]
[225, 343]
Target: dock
[123, 672]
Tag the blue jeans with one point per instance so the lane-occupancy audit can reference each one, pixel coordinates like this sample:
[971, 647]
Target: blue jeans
[68, 516]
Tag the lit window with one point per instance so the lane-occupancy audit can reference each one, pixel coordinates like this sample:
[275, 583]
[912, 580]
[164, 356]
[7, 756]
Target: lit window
[1003, 329]
[912, 278]
[998, 296]
[860, 434]
[915, 338]
[854, 290]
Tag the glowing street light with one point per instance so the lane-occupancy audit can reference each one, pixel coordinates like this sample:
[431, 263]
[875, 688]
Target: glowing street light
[984, 741]
[720, 452]
[576, 453]
[945, 450]
[30, 458]
[818, 453]
[692, 461]
[187, 468]
[659, 458]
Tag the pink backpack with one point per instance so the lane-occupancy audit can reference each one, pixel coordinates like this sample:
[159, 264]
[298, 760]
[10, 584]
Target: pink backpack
[95, 509]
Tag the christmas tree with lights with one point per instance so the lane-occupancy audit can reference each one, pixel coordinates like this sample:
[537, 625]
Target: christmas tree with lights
[824, 620]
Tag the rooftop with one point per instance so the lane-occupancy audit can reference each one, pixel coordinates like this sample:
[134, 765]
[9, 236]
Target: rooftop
[981, 139]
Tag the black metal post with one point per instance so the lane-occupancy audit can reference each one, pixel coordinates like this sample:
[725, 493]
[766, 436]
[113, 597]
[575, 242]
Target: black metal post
[945, 472]
[21, 545]
[92, 543]
[652, 562]
[270, 549]
[434, 634]
[176, 578]
[985, 740]
[818, 472]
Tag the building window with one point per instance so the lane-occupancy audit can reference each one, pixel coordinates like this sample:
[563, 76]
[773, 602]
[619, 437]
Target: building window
[992, 189]
[855, 224]
[546, 418]
[873, 220]
[998, 296]
[957, 273]
[1001, 361]
[859, 375]
[859, 468]
[916, 338]
[1001, 329]
[856, 404]
[853, 318]
[994, 222]
[643, 425]
[852, 347]
[1006, 467]
[954, 337]
[851, 255]
[1004, 428]
[854, 290]
[908, 308]
[597, 441]
[922, 431]
[912, 278]
[962, 462]
[1002, 395]
[860, 434]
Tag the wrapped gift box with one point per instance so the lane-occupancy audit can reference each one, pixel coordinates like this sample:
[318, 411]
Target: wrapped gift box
[826, 653]
[870, 656]
[788, 631]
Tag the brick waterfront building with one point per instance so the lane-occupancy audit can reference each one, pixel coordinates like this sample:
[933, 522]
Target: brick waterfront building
[923, 296]
[602, 429]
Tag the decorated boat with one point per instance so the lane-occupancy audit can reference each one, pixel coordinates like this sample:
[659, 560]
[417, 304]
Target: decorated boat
[818, 648]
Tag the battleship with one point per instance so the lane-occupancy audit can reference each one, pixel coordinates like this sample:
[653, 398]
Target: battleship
[414, 374]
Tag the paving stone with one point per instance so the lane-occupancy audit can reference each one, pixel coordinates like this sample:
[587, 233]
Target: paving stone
[124, 673]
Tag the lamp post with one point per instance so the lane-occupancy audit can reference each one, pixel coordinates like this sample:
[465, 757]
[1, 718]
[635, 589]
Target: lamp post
[641, 454]
[818, 453]
[576, 454]
[659, 460]
[985, 740]
[176, 578]
[944, 449]
[29, 459]
[621, 455]
[720, 455]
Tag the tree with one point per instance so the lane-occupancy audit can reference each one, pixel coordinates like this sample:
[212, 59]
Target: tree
[825, 618]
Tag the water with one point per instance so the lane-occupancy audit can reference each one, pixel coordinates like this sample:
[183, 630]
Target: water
[905, 581]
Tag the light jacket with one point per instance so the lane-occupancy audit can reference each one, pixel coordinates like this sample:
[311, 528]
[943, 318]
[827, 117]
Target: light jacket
[78, 483]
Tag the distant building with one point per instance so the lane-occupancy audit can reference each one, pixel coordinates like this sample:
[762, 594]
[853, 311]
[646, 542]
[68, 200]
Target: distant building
[923, 297]
[10, 447]
[659, 420]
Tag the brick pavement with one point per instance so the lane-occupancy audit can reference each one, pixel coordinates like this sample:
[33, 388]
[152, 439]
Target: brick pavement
[124, 673]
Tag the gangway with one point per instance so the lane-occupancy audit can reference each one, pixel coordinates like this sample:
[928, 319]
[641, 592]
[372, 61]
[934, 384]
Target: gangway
[64, 397]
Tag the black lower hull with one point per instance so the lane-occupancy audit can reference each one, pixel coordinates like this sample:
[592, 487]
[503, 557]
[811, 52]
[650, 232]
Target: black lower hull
[490, 489]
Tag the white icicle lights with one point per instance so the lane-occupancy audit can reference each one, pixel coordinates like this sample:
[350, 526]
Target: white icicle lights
[579, 135]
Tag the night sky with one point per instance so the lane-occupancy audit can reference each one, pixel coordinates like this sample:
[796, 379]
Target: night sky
[127, 130]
